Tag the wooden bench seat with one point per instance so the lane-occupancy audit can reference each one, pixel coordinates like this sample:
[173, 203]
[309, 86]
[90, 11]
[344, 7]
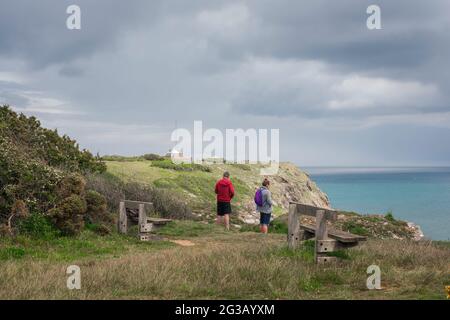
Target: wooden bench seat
[135, 212]
[338, 235]
[158, 221]
[326, 239]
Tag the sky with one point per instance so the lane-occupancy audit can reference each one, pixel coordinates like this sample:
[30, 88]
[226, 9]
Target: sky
[340, 94]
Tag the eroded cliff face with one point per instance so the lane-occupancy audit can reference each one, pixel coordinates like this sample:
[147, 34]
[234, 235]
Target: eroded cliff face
[290, 184]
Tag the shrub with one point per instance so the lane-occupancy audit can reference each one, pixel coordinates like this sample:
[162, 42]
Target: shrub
[33, 160]
[71, 184]
[37, 226]
[97, 211]
[152, 157]
[389, 217]
[68, 216]
[168, 164]
[99, 229]
[4, 230]
[19, 211]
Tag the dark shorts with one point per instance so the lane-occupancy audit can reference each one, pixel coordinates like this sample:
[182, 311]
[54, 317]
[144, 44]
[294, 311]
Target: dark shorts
[264, 218]
[223, 208]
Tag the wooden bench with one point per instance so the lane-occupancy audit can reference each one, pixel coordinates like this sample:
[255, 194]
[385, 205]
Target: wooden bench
[135, 212]
[326, 240]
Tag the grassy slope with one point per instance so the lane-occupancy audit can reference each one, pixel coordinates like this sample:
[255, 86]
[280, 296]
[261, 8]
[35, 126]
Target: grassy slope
[221, 265]
[197, 187]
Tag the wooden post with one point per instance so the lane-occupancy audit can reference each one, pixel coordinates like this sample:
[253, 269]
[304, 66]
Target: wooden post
[321, 232]
[142, 217]
[321, 238]
[122, 218]
[293, 227]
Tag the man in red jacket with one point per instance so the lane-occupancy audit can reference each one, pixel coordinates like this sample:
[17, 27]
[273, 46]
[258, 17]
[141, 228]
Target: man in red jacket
[225, 192]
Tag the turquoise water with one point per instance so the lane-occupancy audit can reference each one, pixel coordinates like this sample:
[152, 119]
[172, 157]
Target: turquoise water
[419, 195]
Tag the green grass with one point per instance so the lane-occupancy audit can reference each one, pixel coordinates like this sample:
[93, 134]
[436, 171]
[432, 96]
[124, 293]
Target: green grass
[305, 252]
[355, 228]
[189, 229]
[277, 225]
[87, 245]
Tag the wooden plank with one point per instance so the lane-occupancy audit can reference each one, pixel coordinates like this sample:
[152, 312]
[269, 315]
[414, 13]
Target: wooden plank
[159, 221]
[309, 210]
[122, 218]
[339, 235]
[293, 227]
[135, 205]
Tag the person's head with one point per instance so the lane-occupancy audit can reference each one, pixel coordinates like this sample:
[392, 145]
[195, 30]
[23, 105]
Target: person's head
[266, 183]
[226, 175]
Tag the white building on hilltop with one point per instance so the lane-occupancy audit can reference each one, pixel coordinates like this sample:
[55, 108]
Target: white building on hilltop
[173, 153]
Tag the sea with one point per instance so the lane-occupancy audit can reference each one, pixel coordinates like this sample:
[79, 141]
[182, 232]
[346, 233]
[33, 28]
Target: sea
[418, 195]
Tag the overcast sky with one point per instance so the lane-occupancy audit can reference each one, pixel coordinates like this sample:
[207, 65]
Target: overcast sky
[339, 93]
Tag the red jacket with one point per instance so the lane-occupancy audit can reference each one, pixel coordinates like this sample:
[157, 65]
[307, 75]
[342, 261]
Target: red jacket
[224, 190]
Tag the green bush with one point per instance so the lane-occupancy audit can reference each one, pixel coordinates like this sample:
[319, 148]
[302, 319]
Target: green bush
[99, 229]
[389, 217]
[68, 216]
[168, 164]
[97, 210]
[152, 157]
[353, 227]
[71, 184]
[33, 162]
[37, 226]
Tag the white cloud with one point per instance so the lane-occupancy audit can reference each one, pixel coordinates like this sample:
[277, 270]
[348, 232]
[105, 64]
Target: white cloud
[360, 92]
[41, 103]
[12, 77]
[308, 88]
[226, 21]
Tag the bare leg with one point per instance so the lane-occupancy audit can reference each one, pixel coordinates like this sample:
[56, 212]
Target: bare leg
[219, 220]
[227, 221]
[264, 228]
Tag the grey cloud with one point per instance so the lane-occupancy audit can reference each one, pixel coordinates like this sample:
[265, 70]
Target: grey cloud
[230, 63]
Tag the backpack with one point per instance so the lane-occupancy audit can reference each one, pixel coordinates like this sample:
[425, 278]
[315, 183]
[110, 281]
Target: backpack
[259, 197]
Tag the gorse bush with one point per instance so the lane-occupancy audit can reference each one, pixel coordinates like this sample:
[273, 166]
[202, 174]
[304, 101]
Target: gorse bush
[68, 216]
[34, 161]
[97, 209]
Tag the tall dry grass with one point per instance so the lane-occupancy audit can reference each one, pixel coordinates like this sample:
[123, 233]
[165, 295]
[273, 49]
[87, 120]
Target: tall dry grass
[237, 265]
